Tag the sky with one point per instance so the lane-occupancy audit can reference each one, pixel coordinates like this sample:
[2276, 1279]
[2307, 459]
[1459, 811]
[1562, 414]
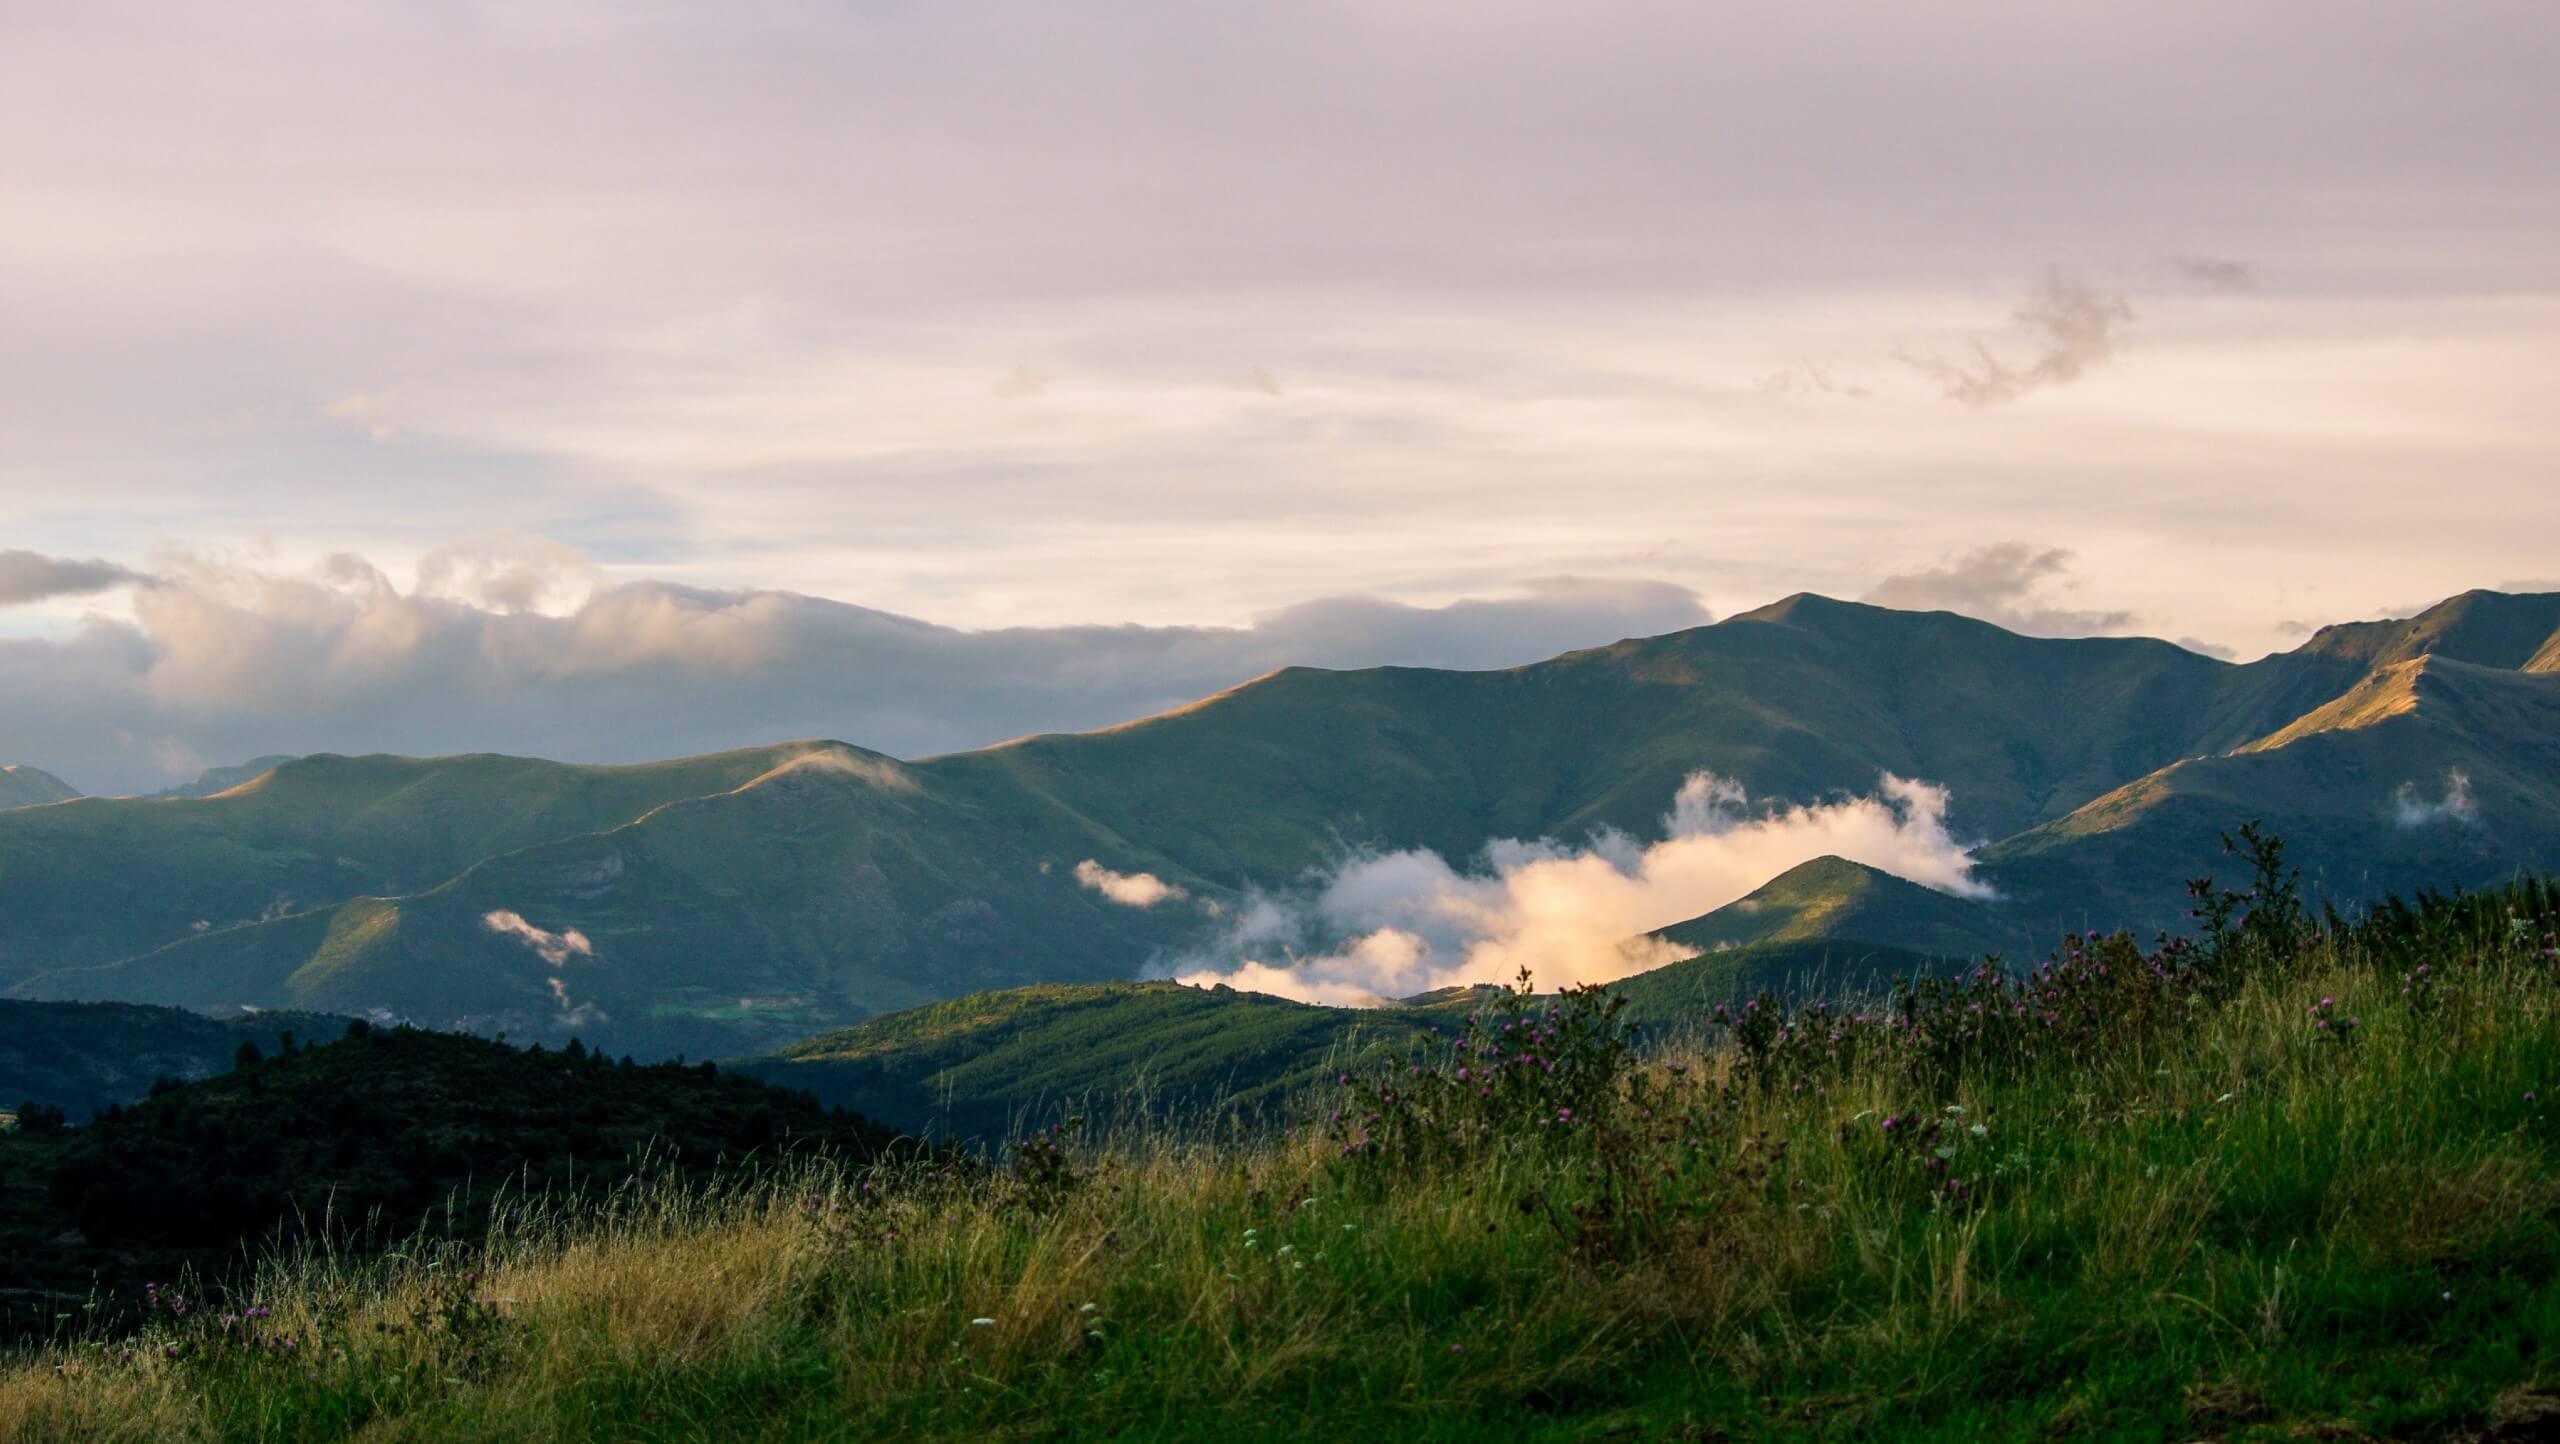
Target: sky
[616, 380]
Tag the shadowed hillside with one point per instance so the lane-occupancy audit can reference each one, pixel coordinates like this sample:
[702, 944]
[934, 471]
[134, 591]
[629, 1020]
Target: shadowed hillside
[85, 1057]
[369, 1141]
[996, 1065]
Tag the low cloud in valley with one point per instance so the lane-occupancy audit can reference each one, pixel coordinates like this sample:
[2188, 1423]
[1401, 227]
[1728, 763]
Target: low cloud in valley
[2410, 808]
[1387, 925]
[1129, 889]
[553, 948]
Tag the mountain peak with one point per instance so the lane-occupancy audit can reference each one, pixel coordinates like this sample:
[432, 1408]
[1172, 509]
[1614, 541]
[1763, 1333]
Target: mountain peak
[2509, 631]
[24, 786]
[1833, 899]
[1803, 607]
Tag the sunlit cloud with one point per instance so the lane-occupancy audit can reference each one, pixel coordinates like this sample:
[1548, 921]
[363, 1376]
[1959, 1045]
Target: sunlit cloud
[1383, 926]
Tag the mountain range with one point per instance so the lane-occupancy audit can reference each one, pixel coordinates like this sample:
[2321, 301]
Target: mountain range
[740, 902]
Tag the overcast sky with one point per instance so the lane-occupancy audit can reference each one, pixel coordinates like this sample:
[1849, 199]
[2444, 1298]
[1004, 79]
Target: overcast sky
[367, 370]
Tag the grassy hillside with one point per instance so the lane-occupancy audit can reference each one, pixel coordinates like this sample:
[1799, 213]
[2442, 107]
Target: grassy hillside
[1679, 997]
[997, 1065]
[85, 1057]
[1834, 899]
[732, 904]
[2285, 1186]
[385, 1137]
[23, 786]
[106, 878]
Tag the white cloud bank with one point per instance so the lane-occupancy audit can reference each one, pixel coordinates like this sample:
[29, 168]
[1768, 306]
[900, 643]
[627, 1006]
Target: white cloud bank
[1394, 924]
[518, 645]
[1129, 889]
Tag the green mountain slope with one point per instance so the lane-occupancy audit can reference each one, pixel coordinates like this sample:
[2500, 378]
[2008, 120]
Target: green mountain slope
[832, 886]
[23, 786]
[1834, 899]
[85, 1057]
[730, 903]
[2432, 772]
[995, 1065]
[105, 878]
[990, 1065]
[1679, 996]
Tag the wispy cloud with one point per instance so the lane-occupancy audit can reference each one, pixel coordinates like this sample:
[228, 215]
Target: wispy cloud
[2214, 273]
[2070, 328]
[575, 1014]
[2409, 809]
[27, 576]
[2010, 584]
[1807, 379]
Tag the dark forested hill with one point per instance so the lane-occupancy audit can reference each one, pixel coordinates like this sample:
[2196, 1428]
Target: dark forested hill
[372, 1139]
[84, 1057]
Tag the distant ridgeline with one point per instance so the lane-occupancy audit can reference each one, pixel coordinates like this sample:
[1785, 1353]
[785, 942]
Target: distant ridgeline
[740, 902]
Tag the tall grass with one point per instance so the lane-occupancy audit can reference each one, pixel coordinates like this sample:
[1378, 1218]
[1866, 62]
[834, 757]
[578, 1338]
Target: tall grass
[2215, 1218]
